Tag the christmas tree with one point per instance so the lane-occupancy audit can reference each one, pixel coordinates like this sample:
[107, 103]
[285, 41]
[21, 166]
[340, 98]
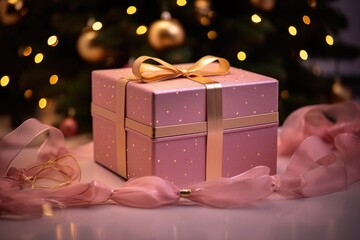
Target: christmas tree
[49, 48]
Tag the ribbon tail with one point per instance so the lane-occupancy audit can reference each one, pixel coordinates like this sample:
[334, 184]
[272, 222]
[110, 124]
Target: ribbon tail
[146, 192]
[348, 146]
[237, 191]
[314, 170]
[38, 202]
[20, 205]
[81, 194]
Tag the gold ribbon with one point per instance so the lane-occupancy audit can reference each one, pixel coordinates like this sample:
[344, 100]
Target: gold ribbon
[55, 173]
[150, 72]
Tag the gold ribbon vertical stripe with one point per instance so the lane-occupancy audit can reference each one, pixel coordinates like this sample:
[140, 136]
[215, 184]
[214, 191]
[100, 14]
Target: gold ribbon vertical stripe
[214, 141]
[120, 135]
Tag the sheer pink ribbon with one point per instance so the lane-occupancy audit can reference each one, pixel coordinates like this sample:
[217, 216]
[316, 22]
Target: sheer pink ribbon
[324, 161]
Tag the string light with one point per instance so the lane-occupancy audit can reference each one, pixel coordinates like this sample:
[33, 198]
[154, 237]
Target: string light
[329, 40]
[38, 58]
[212, 34]
[141, 30]
[256, 18]
[312, 3]
[53, 79]
[96, 26]
[28, 94]
[241, 55]
[306, 19]
[292, 30]
[285, 94]
[25, 51]
[181, 3]
[52, 41]
[42, 103]
[4, 81]
[205, 21]
[131, 10]
[303, 54]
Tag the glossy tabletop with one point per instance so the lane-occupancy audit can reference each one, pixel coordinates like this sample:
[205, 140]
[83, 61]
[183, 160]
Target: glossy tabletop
[332, 216]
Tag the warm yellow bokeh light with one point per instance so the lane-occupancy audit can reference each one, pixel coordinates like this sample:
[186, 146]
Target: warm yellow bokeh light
[241, 55]
[96, 26]
[42, 103]
[4, 81]
[292, 30]
[255, 18]
[28, 94]
[181, 3]
[303, 55]
[329, 40]
[141, 30]
[38, 58]
[306, 19]
[131, 10]
[53, 79]
[212, 35]
[52, 41]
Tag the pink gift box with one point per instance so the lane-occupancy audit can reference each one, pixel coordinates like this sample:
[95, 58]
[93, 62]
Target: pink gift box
[250, 119]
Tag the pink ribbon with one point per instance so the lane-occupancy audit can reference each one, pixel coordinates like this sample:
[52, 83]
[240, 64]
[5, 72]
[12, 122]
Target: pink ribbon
[324, 140]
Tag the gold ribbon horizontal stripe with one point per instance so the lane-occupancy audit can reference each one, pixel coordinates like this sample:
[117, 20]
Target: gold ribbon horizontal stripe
[183, 129]
[166, 131]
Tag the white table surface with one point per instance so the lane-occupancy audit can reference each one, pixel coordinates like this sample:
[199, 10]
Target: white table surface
[332, 216]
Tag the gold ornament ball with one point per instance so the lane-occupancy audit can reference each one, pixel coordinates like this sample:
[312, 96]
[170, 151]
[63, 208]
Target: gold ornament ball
[87, 49]
[166, 33]
[266, 5]
[11, 11]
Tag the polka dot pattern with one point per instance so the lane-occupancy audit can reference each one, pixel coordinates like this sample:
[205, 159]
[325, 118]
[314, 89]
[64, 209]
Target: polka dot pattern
[181, 159]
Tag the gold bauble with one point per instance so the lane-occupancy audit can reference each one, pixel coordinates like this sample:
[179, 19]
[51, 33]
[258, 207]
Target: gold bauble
[87, 49]
[11, 11]
[166, 33]
[266, 5]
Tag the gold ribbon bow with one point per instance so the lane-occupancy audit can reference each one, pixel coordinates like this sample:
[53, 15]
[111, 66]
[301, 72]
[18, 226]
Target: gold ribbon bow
[150, 72]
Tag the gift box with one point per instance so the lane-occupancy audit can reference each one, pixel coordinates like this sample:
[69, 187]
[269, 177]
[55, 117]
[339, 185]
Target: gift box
[165, 128]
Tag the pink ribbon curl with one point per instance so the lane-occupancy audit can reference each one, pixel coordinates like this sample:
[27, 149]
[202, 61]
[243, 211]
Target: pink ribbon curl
[324, 142]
